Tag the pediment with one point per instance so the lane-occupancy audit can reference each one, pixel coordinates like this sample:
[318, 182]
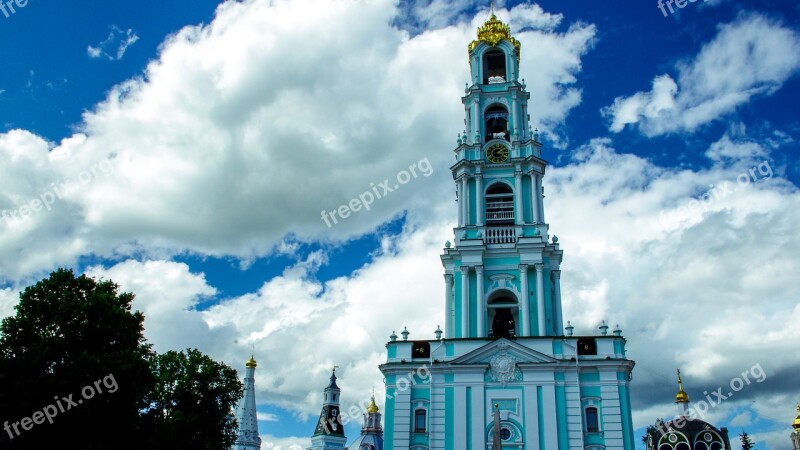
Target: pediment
[522, 354]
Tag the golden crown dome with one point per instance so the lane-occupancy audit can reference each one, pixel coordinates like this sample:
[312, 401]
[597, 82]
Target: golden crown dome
[796, 423]
[372, 408]
[493, 32]
[251, 363]
[681, 396]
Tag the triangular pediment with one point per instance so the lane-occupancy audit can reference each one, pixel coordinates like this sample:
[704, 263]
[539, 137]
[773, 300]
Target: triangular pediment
[522, 354]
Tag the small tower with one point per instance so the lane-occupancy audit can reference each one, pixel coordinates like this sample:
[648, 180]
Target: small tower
[329, 433]
[681, 398]
[371, 432]
[248, 438]
[796, 431]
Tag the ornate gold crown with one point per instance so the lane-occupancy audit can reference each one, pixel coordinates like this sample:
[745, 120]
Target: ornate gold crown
[492, 33]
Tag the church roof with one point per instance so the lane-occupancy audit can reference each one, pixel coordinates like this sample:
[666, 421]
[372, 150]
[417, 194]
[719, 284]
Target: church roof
[367, 442]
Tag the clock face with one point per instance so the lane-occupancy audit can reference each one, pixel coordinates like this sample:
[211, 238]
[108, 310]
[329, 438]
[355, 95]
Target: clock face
[497, 153]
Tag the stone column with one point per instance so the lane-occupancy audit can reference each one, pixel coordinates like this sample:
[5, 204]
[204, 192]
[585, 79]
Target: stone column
[481, 310]
[540, 198]
[559, 321]
[465, 197]
[460, 203]
[449, 307]
[524, 304]
[535, 197]
[479, 199]
[540, 311]
[518, 214]
[465, 301]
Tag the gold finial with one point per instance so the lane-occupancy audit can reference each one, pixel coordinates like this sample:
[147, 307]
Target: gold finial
[373, 407]
[493, 32]
[251, 363]
[681, 396]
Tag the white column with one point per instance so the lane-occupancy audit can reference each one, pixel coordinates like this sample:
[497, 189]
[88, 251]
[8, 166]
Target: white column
[518, 214]
[525, 309]
[540, 312]
[481, 310]
[476, 127]
[535, 197]
[559, 321]
[479, 199]
[465, 198]
[465, 301]
[459, 184]
[515, 116]
[449, 307]
[540, 198]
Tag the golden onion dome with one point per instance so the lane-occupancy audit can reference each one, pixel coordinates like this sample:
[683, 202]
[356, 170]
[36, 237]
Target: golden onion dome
[251, 363]
[372, 408]
[493, 32]
[681, 396]
[796, 423]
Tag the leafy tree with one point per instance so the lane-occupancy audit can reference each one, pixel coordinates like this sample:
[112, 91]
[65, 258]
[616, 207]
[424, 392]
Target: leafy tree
[76, 338]
[68, 333]
[747, 443]
[192, 404]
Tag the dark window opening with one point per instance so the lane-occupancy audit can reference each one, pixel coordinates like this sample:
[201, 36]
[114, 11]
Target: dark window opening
[505, 434]
[587, 346]
[419, 421]
[499, 205]
[592, 420]
[494, 67]
[496, 121]
[421, 349]
[503, 324]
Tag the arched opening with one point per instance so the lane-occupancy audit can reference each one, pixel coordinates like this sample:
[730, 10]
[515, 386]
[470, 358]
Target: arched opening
[503, 311]
[499, 205]
[494, 67]
[420, 421]
[496, 122]
[592, 420]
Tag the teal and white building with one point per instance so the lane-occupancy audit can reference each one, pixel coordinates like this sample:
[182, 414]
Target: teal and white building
[504, 342]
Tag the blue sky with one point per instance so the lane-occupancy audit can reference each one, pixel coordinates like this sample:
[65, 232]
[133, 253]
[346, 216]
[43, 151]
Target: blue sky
[189, 147]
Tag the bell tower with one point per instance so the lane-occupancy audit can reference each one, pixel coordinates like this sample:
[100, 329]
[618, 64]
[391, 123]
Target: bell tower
[503, 276]
[504, 374]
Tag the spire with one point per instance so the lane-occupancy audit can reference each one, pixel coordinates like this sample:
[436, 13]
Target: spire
[332, 384]
[681, 398]
[329, 432]
[497, 442]
[248, 437]
[796, 423]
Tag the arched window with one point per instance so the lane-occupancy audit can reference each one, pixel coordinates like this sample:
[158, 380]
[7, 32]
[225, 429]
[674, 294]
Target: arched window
[592, 420]
[496, 122]
[420, 422]
[499, 205]
[503, 312]
[494, 67]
